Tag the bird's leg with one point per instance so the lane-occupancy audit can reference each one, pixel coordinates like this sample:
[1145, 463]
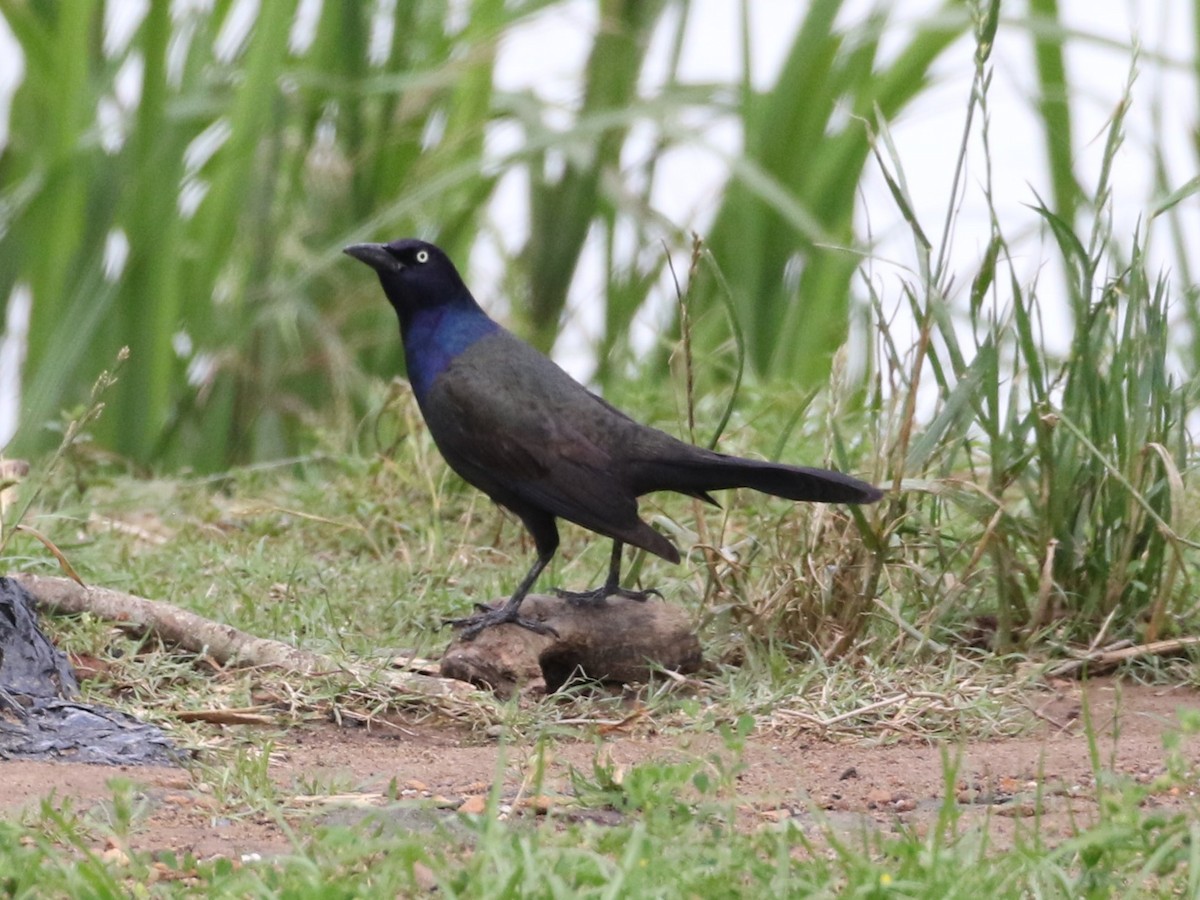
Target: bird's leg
[547, 542]
[611, 587]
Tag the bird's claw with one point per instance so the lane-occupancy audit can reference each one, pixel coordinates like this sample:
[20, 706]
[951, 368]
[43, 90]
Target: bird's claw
[470, 626]
[597, 596]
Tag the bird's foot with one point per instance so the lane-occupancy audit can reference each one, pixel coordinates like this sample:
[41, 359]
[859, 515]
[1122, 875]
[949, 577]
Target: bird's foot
[597, 596]
[487, 616]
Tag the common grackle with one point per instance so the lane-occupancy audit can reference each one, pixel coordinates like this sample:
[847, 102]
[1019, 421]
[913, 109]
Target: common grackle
[519, 428]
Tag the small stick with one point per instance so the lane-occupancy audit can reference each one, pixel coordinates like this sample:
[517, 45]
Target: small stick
[1108, 659]
[850, 714]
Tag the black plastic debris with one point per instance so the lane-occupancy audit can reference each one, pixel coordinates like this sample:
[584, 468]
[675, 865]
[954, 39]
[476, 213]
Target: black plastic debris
[30, 666]
[39, 717]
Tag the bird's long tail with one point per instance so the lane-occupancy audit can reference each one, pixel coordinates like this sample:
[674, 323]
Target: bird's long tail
[701, 471]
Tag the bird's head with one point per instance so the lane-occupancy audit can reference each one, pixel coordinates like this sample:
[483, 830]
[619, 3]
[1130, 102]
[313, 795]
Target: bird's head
[439, 318]
[414, 274]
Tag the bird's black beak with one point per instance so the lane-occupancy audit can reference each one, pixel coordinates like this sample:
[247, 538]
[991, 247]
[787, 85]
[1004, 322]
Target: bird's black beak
[376, 256]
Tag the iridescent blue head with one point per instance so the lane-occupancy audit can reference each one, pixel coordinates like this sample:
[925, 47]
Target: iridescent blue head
[438, 316]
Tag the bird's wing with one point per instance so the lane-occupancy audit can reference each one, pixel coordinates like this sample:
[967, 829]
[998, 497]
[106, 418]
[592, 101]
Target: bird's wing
[526, 435]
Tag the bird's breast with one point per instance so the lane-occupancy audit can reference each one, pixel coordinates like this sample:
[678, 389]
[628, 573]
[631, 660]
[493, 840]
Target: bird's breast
[436, 340]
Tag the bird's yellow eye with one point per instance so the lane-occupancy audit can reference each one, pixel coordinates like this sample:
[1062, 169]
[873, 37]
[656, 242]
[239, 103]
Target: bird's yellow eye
[422, 256]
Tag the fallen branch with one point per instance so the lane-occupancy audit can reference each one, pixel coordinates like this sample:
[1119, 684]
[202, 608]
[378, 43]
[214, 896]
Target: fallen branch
[223, 643]
[1103, 660]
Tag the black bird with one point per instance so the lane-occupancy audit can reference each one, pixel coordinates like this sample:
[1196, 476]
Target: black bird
[523, 431]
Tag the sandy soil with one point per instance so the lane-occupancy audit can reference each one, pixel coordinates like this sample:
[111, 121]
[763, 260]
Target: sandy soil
[814, 782]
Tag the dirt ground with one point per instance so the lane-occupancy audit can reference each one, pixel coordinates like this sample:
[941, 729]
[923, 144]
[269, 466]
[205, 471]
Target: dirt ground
[815, 782]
